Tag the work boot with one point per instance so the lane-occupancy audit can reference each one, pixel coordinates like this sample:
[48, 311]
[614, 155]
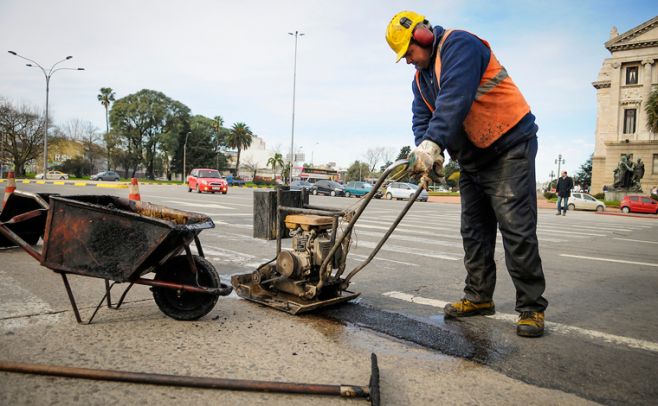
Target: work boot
[530, 324]
[564, 213]
[465, 308]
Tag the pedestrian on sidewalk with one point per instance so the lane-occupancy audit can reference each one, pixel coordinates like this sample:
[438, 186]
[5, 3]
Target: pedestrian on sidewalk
[466, 103]
[563, 189]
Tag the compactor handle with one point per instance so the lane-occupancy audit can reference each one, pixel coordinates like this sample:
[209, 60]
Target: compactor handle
[391, 168]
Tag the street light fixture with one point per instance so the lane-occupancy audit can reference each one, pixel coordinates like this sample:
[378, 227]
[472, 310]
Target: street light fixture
[48, 74]
[296, 34]
[559, 161]
[312, 153]
[185, 157]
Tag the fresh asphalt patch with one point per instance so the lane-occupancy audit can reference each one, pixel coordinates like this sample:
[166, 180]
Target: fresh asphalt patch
[562, 362]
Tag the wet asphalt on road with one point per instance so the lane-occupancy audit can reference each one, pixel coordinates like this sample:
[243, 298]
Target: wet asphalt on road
[602, 286]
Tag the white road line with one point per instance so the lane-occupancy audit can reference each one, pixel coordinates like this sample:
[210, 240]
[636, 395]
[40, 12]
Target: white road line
[382, 259]
[234, 257]
[408, 250]
[20, 308]
[358, 233]
[455, 233]
[554, 327]
[562, 231]
[207, 205]
[628, 239]
[620, 261]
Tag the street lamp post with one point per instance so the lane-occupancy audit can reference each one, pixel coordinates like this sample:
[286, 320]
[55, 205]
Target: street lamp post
[296, 34]
[185, 157]
[48, 74]
[312, 152]
[559, 161]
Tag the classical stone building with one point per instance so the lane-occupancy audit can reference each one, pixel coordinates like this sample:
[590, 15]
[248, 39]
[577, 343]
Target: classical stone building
[625, 82]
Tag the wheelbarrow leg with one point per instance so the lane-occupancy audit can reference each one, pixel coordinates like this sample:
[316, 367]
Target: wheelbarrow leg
[108, 295]
[71, 298]
[198, 246]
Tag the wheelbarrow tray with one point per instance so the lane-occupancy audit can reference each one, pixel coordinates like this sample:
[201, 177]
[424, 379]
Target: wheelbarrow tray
[29, 230]
[114, 238]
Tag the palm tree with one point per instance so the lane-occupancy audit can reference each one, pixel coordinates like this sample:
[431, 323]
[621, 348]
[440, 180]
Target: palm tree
[240, 137]
[106, 97]
[217, 123]
[652, 112]
[274, 161]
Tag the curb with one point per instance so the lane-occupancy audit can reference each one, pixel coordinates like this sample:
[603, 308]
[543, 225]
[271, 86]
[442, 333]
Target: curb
[638, 216]
[119, 185]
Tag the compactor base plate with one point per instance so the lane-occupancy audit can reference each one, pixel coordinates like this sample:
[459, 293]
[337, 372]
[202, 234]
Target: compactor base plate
[248, 288]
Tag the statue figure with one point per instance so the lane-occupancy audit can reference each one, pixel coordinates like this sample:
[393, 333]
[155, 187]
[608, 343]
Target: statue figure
[623, 173]
[638, 174]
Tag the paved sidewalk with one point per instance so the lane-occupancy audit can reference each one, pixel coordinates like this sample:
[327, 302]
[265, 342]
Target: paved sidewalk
[241, 340]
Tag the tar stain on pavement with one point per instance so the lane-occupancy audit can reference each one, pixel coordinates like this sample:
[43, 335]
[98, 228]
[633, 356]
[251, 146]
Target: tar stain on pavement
[451, 337]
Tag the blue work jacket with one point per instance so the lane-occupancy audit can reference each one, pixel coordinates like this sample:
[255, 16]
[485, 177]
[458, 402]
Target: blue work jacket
[464, 59]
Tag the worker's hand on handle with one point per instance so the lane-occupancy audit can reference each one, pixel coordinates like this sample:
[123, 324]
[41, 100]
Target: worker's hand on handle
[426, 159]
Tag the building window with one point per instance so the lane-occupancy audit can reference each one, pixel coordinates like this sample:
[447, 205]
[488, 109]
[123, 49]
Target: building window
[631, 75]
[654, 169]
[629, 121]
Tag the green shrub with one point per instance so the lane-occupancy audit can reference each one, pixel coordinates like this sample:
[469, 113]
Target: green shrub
[549, 195]
[611, 203]
[599, 196]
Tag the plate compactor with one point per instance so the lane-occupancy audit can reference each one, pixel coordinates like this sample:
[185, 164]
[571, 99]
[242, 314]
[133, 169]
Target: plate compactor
[310, 275]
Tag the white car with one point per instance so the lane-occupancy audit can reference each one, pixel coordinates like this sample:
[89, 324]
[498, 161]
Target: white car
[53, 175]
[584, 201]
[401, 190]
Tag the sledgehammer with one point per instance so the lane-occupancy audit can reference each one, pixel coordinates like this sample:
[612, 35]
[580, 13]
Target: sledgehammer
[370, 392]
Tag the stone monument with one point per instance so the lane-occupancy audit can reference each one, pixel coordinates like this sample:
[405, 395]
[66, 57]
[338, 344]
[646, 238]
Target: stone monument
[627, 177]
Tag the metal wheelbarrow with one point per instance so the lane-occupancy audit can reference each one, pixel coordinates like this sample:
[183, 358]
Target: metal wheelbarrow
[117, 240]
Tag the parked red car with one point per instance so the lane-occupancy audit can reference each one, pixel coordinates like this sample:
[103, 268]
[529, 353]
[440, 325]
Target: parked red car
[206, 180]
[638, 204]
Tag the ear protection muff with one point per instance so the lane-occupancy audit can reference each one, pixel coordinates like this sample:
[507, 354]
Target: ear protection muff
[423, 36]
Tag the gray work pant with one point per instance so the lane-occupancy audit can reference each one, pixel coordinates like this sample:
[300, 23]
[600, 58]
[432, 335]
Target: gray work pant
[503, 195]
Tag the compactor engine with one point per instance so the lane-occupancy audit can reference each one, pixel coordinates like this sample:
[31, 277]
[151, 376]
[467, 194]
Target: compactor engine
[297, 271]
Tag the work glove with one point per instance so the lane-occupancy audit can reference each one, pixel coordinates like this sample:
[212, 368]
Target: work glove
[426, 158]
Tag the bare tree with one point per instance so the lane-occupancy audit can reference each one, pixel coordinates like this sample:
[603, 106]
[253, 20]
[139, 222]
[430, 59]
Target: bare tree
[251, 164]
[373, 156]
[22, 132]
[88, 135]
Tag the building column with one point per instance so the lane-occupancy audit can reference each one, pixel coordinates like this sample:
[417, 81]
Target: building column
[646, 92]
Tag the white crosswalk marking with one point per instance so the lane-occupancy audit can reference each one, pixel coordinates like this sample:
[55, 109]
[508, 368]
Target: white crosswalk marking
[18, 306]
[619, 261]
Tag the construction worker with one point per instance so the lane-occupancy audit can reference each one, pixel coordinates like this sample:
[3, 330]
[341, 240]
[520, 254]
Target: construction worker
[466, 103]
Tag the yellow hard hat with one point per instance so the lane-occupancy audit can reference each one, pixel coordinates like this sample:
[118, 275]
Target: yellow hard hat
[400, 30]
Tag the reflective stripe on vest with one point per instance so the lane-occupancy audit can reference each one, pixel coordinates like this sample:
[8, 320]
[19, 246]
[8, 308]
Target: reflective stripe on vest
[498, 104]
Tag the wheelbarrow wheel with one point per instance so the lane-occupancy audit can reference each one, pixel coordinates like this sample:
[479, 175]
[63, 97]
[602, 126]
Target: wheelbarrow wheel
[182, 305]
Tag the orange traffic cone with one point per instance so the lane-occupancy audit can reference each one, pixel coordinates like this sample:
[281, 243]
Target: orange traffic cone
[11, 186]
[133, 191]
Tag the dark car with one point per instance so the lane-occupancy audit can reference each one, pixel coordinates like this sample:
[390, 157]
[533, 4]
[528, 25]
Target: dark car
[301, 184]
[638, 204]
[106, 175]
[328, 187]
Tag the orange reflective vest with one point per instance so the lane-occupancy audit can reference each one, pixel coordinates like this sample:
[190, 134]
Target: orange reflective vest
[498, 104]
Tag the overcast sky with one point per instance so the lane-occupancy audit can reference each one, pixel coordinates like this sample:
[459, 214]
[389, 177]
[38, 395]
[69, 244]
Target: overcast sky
[235, 59]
